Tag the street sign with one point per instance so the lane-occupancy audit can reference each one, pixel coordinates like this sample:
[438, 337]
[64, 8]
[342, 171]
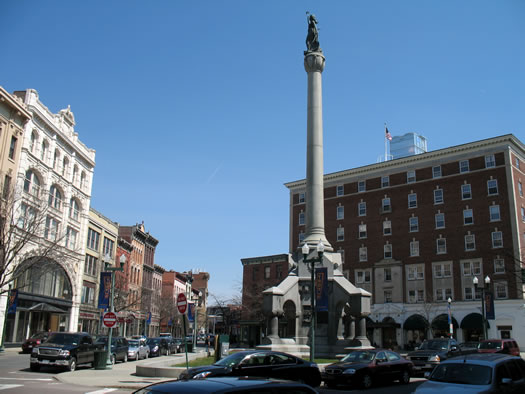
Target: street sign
[182, 303]
[109, 319]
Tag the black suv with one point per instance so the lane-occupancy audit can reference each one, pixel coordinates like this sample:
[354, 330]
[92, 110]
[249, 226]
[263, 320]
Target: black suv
[119, 347]
[158, 346]
[65, 350]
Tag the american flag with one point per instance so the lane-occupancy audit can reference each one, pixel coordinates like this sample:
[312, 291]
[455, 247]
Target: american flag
[388, 136]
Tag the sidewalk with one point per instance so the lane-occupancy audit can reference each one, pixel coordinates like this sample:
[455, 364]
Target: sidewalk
[122, 375]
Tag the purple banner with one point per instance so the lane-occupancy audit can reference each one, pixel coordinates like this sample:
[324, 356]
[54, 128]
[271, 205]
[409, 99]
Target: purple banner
[490, 313]
[321, 289]
[105, 290]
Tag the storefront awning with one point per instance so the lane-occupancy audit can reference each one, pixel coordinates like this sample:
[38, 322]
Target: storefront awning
[473, 321]
[415, 322]
[43, 307]
[441, 322]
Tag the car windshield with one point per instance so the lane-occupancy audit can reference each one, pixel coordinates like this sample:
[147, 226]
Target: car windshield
[153, 341]
[66, 339]
[133, 342]
[434, 345]
[231, 360]
[359, 357]
[490, 345]
[39, 335]
[462, 374]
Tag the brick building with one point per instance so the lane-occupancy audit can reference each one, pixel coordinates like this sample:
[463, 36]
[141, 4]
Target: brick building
[415, 231]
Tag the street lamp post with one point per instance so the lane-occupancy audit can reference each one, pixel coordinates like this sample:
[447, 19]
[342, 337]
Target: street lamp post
[305, 249]
[450, 324]
[111, 306]
[483, 290]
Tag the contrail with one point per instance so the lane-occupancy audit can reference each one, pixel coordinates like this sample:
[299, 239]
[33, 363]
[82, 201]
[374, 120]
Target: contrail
[213, 174]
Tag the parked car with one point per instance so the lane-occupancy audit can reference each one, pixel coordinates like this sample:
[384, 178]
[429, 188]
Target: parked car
[65, 350]
[137, 349]
[179, 344]
[471, 344]
[507, 346]
[476, 373]
[119, 347]
[158, 347]
[268, 364]
[363, 368]
[34, 340]
[433, 351]
[227, 385]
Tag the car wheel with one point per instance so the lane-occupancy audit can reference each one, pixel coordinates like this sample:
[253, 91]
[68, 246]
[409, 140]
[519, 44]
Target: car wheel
[405, 377]
[72, 364]
[366, 381]
[35, 367]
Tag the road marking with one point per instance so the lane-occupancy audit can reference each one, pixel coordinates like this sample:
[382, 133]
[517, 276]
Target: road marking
[25, 379]
[9, 386]
[101, 391]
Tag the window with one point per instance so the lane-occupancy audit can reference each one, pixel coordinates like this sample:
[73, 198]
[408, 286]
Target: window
[441, 246]
[499, 266]
[467, 293]
[420, 295]
[387, 227]
[522, 214]
[385, 204]
[43, 151]
[387, 251]
[361, 208]
[468, 217]
[27, 216]
[388, 296]
[415, 272]
[492, 187]
[385, 181]
[301, 198]
[464, 166]
[438, 196]
[388, 274]
[342, 253]
[279, 271]
[71, 238]
[108, 247]
[471, 268]
[267, 272]
[363, 253]
[340, 190]
[466, 193]
[412, 200]
[470, 242]
[501, 290]
[12, 148]
[32, 183]
[51, 229]
[55, 198]
[411, 176]
[340, 212]
[301, 237]
[7, 186]
[494, 213]
[436, 172]
[362, 276]
[93, 239]
[340, 234]
[56, 157]
[497, 239]
[490, 161]
[414, 248]
[255, 273]
[440, 220]
[362, 231]
[520, 188]
[83, 180]
[301, 219]
[65, 164]
[32, 143]
[413, 224]
[88, 295]
[442, 270]
[361, 186]
[439, 294]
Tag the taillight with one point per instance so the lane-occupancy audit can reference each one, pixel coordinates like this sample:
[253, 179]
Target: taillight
[38, 341]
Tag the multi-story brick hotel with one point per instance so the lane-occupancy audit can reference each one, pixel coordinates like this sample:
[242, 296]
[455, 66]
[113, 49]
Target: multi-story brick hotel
[416, 231]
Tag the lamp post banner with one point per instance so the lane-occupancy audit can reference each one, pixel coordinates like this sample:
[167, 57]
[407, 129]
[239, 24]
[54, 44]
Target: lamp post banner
[191, 312]
[13, 301]
[105, 290]
[490, 313]
[321, 289]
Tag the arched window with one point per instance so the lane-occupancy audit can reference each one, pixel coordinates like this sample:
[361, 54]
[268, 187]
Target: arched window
[75, 174]
[55, 197]
[32, 143]
[56, 159]
[65, 165]
[82, 180]
[31, 183]
[44, 277]
[74, 209]
[43, 152]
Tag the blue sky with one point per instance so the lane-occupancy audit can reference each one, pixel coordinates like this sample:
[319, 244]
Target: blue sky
[197, 109]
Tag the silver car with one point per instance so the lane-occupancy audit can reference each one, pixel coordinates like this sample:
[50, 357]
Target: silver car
[137, 349]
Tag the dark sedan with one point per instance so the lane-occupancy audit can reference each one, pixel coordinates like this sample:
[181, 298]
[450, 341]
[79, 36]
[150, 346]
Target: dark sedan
[227, 385]
[158, 346]
[364, 367]
[277, 365]
[34, 340]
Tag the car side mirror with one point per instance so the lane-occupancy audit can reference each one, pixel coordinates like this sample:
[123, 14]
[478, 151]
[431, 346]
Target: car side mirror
[506, 381]
[453, 348]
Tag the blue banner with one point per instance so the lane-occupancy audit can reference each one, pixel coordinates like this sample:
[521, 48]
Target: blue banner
[13, 301]
[148, 320]
[490, 312]
[321, 289]
[170, 322]
[105, 290]
[191, 312]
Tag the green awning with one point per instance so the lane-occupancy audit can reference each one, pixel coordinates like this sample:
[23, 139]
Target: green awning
[473, 321]
[415, 322]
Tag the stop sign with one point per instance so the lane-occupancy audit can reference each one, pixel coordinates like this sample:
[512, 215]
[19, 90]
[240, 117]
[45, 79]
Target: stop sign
[110, 319]
[182, 303]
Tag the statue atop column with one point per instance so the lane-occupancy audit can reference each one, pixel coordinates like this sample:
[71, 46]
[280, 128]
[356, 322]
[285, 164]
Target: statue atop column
[312, 39]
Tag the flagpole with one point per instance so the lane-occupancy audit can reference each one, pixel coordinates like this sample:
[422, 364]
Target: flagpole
[386, 142]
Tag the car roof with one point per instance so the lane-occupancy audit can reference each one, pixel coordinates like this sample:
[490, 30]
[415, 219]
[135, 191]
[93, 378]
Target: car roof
[222, 384]
[481, 358]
